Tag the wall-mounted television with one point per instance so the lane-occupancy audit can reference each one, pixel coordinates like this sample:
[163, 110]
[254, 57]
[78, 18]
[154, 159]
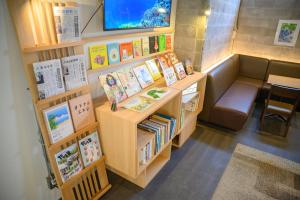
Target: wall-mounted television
[136, 14]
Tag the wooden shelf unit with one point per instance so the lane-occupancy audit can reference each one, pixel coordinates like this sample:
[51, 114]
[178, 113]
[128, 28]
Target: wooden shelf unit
[121, 142]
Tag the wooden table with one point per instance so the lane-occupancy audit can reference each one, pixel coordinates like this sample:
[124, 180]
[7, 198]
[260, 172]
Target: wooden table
[284, 81]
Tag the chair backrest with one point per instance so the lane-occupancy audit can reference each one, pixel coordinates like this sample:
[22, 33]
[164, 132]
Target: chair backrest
[292, 95]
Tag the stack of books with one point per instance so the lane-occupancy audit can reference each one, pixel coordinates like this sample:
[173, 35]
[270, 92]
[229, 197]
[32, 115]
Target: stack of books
[163, 126]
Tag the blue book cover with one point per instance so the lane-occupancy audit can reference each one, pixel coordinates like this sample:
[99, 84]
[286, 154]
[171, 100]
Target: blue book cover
[173, 123]
[113, 53]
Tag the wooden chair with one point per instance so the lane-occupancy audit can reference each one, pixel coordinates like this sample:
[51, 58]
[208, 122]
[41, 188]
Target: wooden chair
[276, 107]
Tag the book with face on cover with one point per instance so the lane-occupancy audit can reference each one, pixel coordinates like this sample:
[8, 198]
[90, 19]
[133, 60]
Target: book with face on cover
[155, 93]
[68, 162]
[143, 75]
[49, 78]
[145, 46]
[58, 121]
[113, 52]
[126, 51]
[82, 111]
[90, 149]
[98, 56]
[138, 104]
[137, 48]
[153, 68]
[74, 71]
[153, 44]
[112, 87]
[129, 81]
[180, 71]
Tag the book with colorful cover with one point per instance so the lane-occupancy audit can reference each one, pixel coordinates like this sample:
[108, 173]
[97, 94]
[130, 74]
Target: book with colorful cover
[112, 87]
[155, 93]
[164, 61]
[167, 69]
[162, 43]
[153, 68]
[126, 51]
[173, 58]
[49, 78]
[145, 46]
[68, 162]
[82, 111]
[129, 81]
[180, 70]
[98, 56]
[113, 52]
[143, 75]
[138, 104]
[74, 71]
[153, 44]
[90, 149]
[58, 122]
[168, 42]
[137, 48]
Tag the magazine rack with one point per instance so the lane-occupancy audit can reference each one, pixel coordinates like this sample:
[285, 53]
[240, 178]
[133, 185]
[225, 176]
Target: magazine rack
[29, 17]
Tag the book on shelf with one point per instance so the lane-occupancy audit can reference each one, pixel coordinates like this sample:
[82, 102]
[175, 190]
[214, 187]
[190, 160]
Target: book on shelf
[153, 44]
[82, 111]
[49, 78]
[173, 58]
[58, 122]
[145, 46]
[112, 87]
[188, 97]
[188, 66]
[113, 52]
[191, 89]
[138, 104]
[156, 93]
[98, 56]
[152, 66]
[137, 48]
[172, 120]
[182, 117]
[192, 104]
[145, 153]
[67, 23]
[143, 75]
[167, 69]
[126, 51]
[129, 81]
[180, 71]
[162, 43]
[68, 162]
[168, 42]
[74, 71]
[90, 149]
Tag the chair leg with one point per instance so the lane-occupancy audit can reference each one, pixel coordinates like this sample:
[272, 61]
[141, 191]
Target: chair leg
[287, 126]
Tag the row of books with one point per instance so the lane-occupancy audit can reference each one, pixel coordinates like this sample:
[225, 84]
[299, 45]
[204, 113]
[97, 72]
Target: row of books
[113, 53]
[145, 153]
[163, 126]
[58, 75]
[69, 160]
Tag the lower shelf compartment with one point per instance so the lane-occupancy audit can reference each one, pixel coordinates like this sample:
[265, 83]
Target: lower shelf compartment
[185, 132]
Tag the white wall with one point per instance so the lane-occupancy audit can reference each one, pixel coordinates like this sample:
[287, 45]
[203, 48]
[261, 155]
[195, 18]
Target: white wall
[22, 166]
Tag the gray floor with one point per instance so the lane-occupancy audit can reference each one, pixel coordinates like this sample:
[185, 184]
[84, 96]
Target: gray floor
[195, 169]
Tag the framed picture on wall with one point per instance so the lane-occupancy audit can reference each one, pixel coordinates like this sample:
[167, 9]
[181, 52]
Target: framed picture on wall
[287, 32]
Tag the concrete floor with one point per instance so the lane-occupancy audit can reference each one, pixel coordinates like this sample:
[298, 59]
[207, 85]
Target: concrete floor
[196, 168]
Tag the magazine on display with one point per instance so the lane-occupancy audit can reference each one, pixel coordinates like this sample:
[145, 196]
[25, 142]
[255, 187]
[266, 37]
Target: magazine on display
[143, 75]
[98, 56]
[153, 68]
[126, 51]
[179, 68]
[90, 149]
[113, 52]
[129, 81]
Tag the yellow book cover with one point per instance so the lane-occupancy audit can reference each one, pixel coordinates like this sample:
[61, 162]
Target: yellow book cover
[137, 48]
[98, 55]
[153, 68]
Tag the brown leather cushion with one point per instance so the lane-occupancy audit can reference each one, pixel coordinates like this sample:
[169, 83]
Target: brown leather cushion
[284, 68]
[233, 108]
[253, 67]
[251, 81]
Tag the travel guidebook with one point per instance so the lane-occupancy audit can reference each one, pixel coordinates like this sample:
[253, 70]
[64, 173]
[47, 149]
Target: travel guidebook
[143, 75]
[129, 81]
[90, 149]
[82, 111]
[153, 68]
[112, 87]
[58, 121]
[137, 48]
[145, 46]
[156, 93]
[180, 71]
[98, 55]
[74, 71]
[68, 162]
[126, 51]
[138, 104]
[153, 44]
[49, 79]
[113, 52]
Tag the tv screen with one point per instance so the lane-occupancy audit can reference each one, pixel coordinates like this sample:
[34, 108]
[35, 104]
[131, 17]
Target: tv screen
[136, 14]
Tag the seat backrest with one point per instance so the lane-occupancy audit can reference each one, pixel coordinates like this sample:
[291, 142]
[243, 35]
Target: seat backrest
[285, 92]
[283, 68]
[253, 67]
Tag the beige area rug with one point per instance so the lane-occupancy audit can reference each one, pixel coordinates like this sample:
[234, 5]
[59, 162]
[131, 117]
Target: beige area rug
[253, 174]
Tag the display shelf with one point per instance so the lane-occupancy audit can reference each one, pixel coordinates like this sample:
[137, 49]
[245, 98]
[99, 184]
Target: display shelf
[188, 81]
[52, 46]
[127, 62]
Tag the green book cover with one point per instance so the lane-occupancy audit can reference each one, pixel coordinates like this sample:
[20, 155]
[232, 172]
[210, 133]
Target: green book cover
[162, 43]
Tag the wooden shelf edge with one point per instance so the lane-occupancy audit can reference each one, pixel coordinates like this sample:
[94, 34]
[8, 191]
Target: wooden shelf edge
[102, 192]
[127, 62]
[52, 46]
